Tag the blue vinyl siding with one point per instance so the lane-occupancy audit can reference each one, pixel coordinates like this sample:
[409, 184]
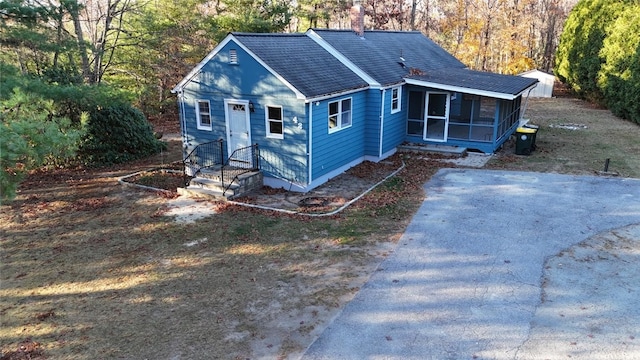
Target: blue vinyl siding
[282, 158]
[395, 125]
[248, 80]
[218, 130]
[372, 129]
[331, 151]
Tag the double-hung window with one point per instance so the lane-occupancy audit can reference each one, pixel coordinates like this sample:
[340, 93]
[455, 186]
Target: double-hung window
[275, 124]
[396, 99]
[339, 114]
[203, 114]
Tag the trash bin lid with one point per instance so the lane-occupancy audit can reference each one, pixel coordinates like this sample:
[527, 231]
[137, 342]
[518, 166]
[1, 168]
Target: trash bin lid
[523, 130]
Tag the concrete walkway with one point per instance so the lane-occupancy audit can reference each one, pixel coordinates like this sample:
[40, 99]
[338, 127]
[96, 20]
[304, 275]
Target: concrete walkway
[504, 265]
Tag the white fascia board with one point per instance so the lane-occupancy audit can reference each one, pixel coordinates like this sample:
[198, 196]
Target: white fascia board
[526, 90]
[343, 59]
[224, 42]
[465, 90]
[331, 96]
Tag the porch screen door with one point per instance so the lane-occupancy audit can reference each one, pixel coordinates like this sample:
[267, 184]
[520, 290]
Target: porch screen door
[238, 130]
[436, 117]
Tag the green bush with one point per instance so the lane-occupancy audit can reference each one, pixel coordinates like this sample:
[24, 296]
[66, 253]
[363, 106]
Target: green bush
[31, 135]
[44, 124]
[116, 134]
[619, 77]
[599, 54]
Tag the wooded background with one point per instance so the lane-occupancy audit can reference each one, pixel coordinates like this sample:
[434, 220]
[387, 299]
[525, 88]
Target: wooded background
[145, 47]
[73, 72]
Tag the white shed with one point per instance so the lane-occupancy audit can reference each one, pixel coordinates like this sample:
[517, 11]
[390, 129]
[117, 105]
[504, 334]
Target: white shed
[545, 86]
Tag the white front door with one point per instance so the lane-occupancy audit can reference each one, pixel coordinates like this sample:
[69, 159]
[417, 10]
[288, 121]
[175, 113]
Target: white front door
[436, 116]
[238, 125]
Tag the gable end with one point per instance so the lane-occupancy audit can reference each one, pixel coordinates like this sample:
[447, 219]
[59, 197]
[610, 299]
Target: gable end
[231, 38]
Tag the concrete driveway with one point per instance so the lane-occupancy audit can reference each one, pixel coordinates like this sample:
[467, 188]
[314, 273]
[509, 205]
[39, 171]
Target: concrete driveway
[504, 265]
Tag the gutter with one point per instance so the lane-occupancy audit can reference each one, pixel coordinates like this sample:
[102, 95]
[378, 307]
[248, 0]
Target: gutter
[183, 121]
[310, 146]
[338, 94]
[526, 103]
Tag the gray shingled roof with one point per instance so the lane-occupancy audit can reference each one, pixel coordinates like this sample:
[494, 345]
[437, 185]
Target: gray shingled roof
[477, 80]
[378, 53]
[302, 62]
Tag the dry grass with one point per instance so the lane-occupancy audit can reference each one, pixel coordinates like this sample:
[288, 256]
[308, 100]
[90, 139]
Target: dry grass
[600, 136]
[90, 269]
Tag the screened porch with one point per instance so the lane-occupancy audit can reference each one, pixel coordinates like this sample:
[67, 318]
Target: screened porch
[459, 119]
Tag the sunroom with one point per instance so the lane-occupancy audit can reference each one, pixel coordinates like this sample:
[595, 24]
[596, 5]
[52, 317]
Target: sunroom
[465, 108]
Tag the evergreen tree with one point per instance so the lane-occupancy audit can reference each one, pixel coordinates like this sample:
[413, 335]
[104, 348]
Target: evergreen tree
[598, 55]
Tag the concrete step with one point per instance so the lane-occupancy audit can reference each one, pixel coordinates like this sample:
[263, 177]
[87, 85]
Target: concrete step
[215, 174]
[212, 188]
[200, 193]
[434, 148]
[210, 184]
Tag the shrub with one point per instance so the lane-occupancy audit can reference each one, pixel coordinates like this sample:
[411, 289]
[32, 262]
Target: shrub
[619, 77]
[117, 134]
[599, 52]
[31, 135]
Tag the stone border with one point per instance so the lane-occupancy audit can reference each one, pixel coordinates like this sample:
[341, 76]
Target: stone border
[122, 179]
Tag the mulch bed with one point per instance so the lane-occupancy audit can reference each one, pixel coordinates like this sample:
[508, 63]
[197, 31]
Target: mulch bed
[159, 179]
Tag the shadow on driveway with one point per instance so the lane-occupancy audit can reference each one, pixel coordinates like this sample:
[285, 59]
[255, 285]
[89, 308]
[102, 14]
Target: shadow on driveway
[503, 265]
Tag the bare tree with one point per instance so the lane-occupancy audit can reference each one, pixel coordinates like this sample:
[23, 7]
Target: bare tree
[98, 25]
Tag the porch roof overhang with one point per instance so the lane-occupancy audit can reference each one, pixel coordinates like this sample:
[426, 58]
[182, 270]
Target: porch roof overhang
[467, 81]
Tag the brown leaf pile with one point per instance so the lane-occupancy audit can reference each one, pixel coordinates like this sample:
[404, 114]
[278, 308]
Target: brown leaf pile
[27, 350]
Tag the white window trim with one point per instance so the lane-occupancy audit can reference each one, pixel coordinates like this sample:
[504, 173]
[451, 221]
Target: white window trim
[339, 124]
[267, 120]
[199, 118]
[399, 88]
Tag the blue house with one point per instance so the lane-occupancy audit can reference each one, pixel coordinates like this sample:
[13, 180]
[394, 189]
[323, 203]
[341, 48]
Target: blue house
[318, 103]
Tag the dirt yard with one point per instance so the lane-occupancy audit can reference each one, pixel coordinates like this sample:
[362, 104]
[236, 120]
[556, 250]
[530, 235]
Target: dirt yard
[92, 269]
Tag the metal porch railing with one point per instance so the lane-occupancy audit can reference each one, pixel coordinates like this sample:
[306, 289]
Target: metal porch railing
[241, 161]
[205, 155]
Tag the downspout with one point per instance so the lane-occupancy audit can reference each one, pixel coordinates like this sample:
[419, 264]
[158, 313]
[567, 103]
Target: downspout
[310, 146]
[183, 122]
[496, 122]
[526, 103]
[381, 123]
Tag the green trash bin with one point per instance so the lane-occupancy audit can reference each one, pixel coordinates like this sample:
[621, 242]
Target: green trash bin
[524, 140]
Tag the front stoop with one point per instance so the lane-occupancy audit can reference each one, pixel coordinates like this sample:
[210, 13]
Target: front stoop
[434, 148]
[208, 185]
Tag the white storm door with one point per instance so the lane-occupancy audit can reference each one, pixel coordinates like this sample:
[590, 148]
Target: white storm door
[238, 126]
[436, 116]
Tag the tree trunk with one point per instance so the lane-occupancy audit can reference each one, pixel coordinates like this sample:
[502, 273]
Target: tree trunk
[73, 8]
[414, 3]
